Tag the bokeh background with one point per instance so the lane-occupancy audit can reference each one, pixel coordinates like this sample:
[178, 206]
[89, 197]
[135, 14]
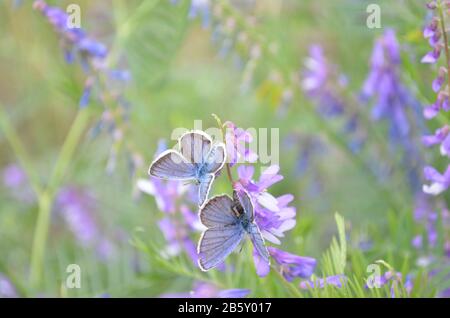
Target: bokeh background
[178, 68]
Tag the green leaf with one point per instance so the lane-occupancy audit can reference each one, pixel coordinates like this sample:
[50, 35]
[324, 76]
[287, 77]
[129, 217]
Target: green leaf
[151, 37]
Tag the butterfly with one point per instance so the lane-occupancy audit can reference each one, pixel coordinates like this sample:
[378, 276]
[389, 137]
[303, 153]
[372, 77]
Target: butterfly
[227, 220]
[198, 160]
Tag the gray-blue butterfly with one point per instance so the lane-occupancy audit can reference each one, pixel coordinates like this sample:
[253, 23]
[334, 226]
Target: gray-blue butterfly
[227, 221]
[197, 160]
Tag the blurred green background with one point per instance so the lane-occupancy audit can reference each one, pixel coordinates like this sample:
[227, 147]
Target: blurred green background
[178, 76]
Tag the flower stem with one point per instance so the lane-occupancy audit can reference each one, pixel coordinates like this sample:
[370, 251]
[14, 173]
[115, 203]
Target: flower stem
[40, 238]
[68, 149]
[227, 165]
[294, 290]
[444, 35]
[47, 197]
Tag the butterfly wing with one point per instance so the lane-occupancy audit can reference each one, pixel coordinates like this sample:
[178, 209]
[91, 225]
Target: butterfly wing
[243, 198]
[217, 243]
[217, 212]
[258, 242]
[215, 159]
[172, 165]
[204, 187]
[195, 146]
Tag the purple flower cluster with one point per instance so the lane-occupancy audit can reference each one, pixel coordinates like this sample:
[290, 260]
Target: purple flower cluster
[323, 84]
[384, 85]
[179, 222]
[394, 279]
[75, 41]
[395, 104]
[106, 82]
[319, 81]
[77, 208]
[437, 37]
[273, 215]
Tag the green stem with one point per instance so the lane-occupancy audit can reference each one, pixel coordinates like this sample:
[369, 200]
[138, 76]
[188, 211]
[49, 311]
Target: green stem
[227, 165]
[40, 238]
[47, 197]
[68, 149]
[19, 150]
[445, 37]
[294, 290]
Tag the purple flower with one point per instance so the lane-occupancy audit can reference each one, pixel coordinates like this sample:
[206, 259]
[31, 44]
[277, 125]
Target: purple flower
[324, 85]
[433, 32]
[442, 137]
[77, 209]
[16, 180]
[445, 293]
[200, 8]
[393, 278]
[432, 56]
[14, 177]
[273, 215]
[318, 82]
[172, 198]
[166, 193]
[7, 289]
[177, 238]
[237, 143]
[439, 182]
[417, 241]
[384, 85]
[74, 40]
[335, 280]
[207, 290]
[292, 266]
[434, 35]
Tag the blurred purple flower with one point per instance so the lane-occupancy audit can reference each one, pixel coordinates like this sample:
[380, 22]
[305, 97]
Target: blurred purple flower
[207, 290]
[74, 40]
[237, 142]
[76, 206]
[200, 8]
[318, 82]
[106, 82]
[322, 83]
[7, 289]
[416, 242]
[16, 181]
[394, 279]
[14, 177]
[292, 266]
[445, 293]
[335, 280]
[172, 198]
[384, 84]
